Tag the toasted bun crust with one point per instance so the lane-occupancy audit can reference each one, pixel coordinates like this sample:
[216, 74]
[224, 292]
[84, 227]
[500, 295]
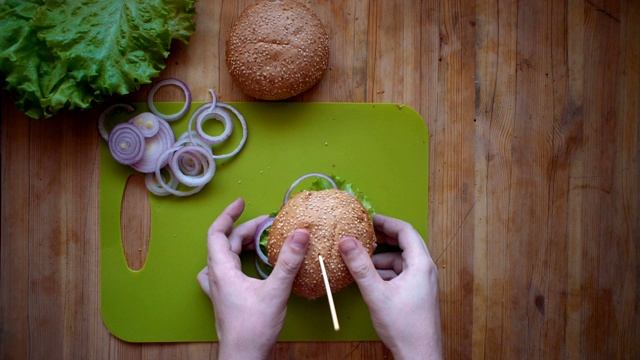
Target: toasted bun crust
[277, 49]
[328, 215]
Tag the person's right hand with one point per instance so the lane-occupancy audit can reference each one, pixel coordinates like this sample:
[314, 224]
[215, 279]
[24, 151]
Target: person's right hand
[400, 289]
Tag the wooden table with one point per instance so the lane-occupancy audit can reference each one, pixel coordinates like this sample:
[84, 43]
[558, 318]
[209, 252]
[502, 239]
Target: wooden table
[533, 109]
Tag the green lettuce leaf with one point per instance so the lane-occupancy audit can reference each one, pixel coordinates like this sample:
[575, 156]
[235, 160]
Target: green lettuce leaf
[59, 54]
[36, 78]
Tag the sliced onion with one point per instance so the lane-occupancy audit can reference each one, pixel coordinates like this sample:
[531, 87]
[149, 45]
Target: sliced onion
[214, 99]
[163, 184]
[298, 180]
[187, 134]
[256, 238]
[179, 114]
[217, 114]
[189, 161]
[126, 143]
[147, 122]
[261, 272]
[156, 145]
[154, 186]
[185, 140]
[190, 164]
[201, 109]
[198, 153]
[244, 132]
[105, 114]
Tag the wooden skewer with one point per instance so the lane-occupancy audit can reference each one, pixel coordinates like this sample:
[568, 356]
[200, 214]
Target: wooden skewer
[334, 317]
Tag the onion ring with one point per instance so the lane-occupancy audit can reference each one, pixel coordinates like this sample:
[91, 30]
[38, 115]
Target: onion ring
[214, 99]
[102, 129]
[244, 132]
[256, 238]
[160, 181]
[155, 145]
[126, 143]
[298, 180]
[217, 114]
[261, 272]
[154, 186]
[179, 114]
[193, 134]
[190, 165]
[200, 154]
[184, 140]
[147, 122]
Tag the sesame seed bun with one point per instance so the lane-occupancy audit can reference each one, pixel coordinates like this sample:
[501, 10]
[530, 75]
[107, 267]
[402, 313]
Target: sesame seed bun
[277, 49]
[328, 215]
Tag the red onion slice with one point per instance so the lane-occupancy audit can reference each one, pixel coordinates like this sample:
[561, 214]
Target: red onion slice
[154, 186]
[187, 135]
[156, 145]
[298, 180]
[147, 122]
[147, 143]
[217, 114]
[256, 238]
[190, 164]
[179, 114]
[102, 119]
[261, 272]
[163, 184]
[126, 144]
[200, 110]
[214, 99]
[200, 154]
[244, 132]
[185, 140]
[193, 134]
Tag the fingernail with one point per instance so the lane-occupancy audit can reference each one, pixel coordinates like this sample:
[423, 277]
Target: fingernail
[299, 240]
[347, 245]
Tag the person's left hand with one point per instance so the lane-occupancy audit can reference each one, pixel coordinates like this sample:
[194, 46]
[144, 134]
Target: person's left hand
[249, 313]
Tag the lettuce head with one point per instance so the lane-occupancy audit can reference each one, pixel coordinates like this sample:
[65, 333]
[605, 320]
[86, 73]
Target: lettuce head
[57, 54]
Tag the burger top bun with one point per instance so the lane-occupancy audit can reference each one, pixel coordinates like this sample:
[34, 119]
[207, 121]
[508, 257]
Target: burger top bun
[328, 215]
[277, 49]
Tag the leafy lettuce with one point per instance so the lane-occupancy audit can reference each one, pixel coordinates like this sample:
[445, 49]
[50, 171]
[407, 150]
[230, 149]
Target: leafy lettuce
[58, 54]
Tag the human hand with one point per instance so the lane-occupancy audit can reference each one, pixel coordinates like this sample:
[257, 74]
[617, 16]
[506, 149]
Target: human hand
[249, 313]
[400, 289]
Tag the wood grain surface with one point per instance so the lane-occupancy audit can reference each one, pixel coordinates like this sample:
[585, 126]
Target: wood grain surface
[533, 109]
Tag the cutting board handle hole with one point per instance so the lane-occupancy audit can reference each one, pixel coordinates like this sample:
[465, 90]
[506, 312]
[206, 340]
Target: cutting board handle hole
[135, 222]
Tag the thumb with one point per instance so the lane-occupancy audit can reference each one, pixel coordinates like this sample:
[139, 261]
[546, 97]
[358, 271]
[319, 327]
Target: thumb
[289, 260]
[360, 266]
[203, 280]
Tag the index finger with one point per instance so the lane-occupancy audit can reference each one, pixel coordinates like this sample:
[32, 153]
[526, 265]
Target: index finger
[218, 244]
[224, 222]
[242, 237]
[401, 233]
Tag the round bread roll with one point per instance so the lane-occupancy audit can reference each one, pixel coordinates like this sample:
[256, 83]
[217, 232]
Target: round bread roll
[328, 215]
[277, 49]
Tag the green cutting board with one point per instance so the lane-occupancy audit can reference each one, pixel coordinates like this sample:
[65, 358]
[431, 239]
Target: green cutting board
[382, 148]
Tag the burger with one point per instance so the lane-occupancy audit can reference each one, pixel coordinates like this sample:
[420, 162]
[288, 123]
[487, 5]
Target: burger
[277, 49]
[330, 209]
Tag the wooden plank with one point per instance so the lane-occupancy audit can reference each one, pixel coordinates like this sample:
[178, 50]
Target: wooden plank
[47, 236]
[452, 168]
[14, 244]
[534, 113]
[629, 180]
[495, 113]
[81, 328]
[601, 179]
